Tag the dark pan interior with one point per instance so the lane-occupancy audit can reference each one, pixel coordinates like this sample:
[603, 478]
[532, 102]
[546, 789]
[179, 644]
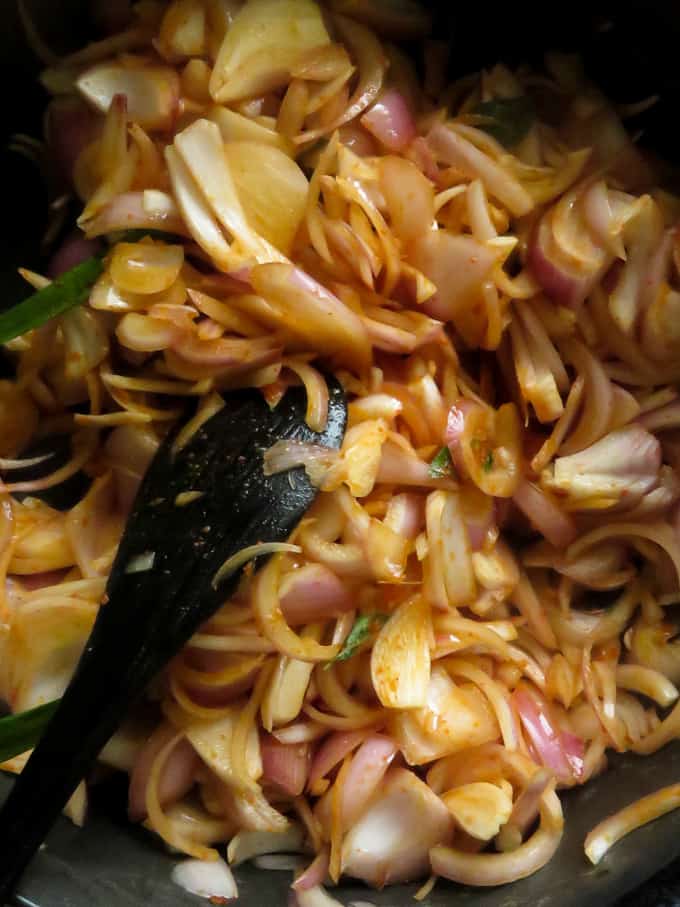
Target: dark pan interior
[630, 48]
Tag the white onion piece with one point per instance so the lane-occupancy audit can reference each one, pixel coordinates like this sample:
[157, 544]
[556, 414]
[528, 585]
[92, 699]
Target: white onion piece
[644, 235]
[600, 218]
[409, 197]
[563, 281]
[248, 844]
[392, 840]
[623, 466]
[152, 92]
[372, 63]
[130, 211]
[366, 771]
[309, 310]
[456, 265]
[206, 878]
[315, 897]
[265, 41]
[453, 149]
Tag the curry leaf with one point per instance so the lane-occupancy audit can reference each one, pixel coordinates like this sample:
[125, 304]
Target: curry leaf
[21, 732]
[364, 625]
[507, 119]
[441, 466]
[68, 290]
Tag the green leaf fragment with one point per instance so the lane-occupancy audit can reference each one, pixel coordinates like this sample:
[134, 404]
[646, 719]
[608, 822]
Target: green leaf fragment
[441, 466]
[487, 465]
[506, 119]
[362, 629]
[21, 732]
[66, 292]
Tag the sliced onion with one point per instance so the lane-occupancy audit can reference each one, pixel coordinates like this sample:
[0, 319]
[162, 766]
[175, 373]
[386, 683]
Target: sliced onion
[178, 773]
[449, 146]
[312, 593]
[130, 211]
[566, 282]
[390, 121]
[210, 879]
[372, 64]
[638, 813]
[366, 771]
[562, 753]
[600, 218]
[202, 151]
[248, 844]
[489, 869]
[390, 843]
[544, 514]
[332, 751]
[152, 92]
[315, 897]
[144, 334]
[409, 197]
[309, 310]
[635, 286]
[457, 266]
[263, 44]
[623, 465]
[284, 765]
[235, 354]
[479, 808]
[400, 658]
[285, 455]
[145, 267]
[315, 874]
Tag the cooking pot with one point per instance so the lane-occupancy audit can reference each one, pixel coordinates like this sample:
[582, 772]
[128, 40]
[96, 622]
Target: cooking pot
[630, 48]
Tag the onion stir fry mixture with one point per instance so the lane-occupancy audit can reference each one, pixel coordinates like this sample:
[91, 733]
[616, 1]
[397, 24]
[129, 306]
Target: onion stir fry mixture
[477, 609]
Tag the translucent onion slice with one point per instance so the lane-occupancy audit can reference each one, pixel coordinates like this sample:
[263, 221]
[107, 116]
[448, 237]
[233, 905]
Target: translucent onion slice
[309, 310]
[372, 63]
[210, 879]
[145, 268]
[248, 844]
[273, 625]
[152, 92]
[271, 188]
[452, 148]
[479, 808]
[264, 42]
[457, 266]
[409, 197]
[131, 211]
[490, 869]
[390, 843]
[202, 151]
[639, 813]
[400, 658]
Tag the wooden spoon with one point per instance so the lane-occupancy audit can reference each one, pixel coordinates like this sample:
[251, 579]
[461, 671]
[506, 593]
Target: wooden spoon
[161, 588]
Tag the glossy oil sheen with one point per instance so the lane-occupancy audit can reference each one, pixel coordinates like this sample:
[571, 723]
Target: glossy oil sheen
[631, 48]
